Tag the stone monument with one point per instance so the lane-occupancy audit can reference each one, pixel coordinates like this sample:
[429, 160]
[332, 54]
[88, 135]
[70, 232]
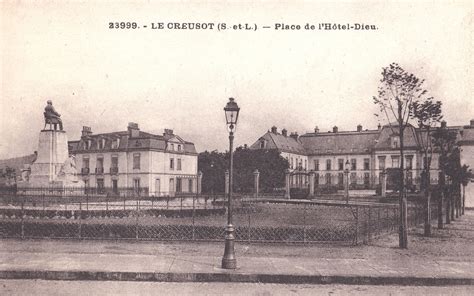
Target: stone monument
[53, 166]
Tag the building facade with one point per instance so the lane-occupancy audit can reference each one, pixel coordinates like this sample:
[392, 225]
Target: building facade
[163, 164]
[365, 153]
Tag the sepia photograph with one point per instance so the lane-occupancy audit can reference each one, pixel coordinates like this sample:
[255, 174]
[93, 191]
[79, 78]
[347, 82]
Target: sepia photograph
[236, 147]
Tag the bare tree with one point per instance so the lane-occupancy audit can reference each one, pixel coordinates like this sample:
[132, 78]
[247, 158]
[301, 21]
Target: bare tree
[427, 114]
[397, 91]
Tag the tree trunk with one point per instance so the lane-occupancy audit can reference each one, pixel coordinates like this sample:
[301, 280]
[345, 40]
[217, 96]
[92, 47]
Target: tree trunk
[428, 213]
[463, 198]
[427, 203]
[440, 200]
[448, 205]
[403, 229]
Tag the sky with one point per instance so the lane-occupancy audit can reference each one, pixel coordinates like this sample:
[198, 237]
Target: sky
[104, 78]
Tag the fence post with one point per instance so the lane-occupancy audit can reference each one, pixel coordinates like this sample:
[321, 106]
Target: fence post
[194, 204]
[249, 211]
[304, 223]
[80, 217]
[378, 221]
[87, 201]
[22, 220]
[357, 225]
[42, 201]
[136, 221]
[107, 202]
[167, 201]
[181, 204]
[369, 238]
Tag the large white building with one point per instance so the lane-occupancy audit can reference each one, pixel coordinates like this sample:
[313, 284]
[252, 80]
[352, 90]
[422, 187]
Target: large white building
[163, 164]
[367, 153]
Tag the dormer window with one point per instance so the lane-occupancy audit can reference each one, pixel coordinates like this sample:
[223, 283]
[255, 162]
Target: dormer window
[88, 144]
[179, 147]
[262, 144]
[395, 142]
[172, 147]
[115, 143]
[101, 143]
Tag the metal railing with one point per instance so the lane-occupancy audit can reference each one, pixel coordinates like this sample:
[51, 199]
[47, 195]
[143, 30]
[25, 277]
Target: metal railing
[196, 217]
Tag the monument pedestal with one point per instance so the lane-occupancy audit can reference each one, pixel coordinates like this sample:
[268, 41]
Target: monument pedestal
[53, 167]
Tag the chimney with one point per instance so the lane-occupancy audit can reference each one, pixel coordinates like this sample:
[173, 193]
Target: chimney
[359, 128]
[472, 122]
[443, 124]
[86, 131]
[379, 126]
[334, 129]
[133, 130]
[316, 129]
[284, 132]
[294, 136]
[274, 129]
[168, 132]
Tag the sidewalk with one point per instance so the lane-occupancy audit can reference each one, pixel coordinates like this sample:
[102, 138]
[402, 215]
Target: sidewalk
[444, 259]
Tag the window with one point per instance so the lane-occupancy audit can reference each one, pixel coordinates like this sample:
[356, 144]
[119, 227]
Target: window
[328, 178]
[291, 164]
[353, 178]
[171, 189]
[316, 164]
[366, 179]
[340, 178]
[409, 162]
[85, 162]
[100, 186]
[172, 163]
[316, 180]
[101, 143]
[262, 144]
[328, 165]
[136, 184]
[179, 147]
[100, 165]
[381, 162]
[353, 164]
[114, 161]
[366, 164]
[178, 165]
[178, 185]
[395, 141]
[89, 144]
[395, 161]
[305, 164]
[190, 187]
[340, 164]
[115, 143]
[172, 147]
[136, 161]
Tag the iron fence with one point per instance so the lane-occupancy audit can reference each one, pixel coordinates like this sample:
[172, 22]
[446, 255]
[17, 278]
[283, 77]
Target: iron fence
[195, 218]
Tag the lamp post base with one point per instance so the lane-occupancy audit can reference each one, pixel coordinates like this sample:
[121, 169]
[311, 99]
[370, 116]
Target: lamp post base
[229, 261]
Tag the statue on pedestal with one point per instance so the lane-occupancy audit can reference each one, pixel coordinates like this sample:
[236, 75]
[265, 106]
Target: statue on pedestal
[52, 117]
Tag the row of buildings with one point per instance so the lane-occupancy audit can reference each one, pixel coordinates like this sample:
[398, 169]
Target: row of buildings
[365, 153]
[166, 164]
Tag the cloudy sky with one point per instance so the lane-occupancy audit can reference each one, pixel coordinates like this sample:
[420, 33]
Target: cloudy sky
[182, 79]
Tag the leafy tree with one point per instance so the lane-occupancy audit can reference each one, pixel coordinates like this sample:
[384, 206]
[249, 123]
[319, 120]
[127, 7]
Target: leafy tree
[427, 113]
[444, 140]
[397, 91]
[268, 162]
[213, 166]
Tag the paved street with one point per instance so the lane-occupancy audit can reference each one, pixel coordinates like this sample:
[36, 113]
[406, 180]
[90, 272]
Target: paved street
[40, 287]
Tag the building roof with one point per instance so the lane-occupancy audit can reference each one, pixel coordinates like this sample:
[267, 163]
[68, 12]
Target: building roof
[127, 142]
[281, 142]
[340, 142]
[354, 142]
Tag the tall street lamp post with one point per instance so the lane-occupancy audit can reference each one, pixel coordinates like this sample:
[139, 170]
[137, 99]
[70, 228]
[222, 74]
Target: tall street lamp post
[346, 187]
[231, 116]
